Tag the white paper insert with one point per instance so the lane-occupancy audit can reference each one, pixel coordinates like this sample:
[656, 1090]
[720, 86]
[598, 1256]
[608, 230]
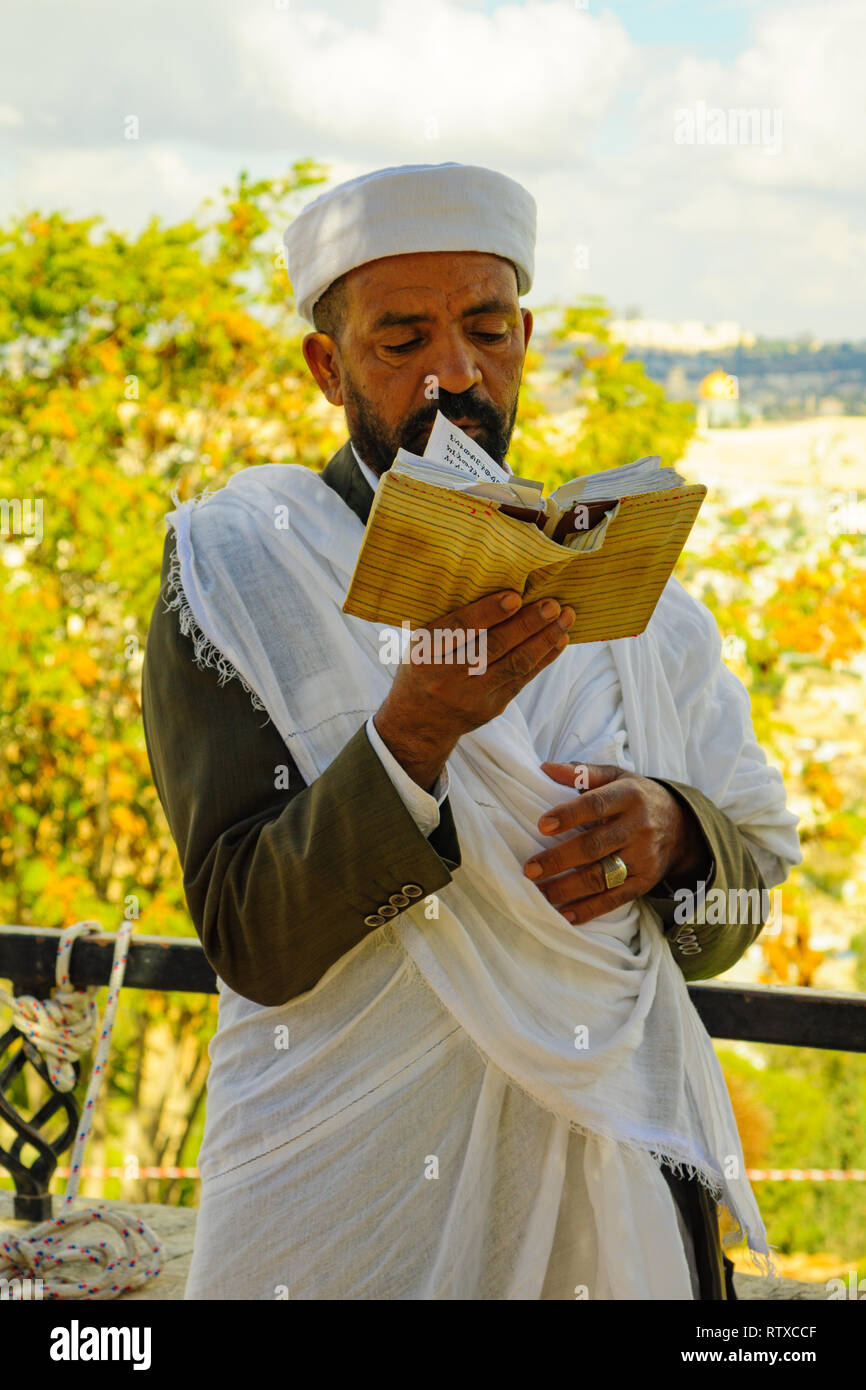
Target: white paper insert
[448, 444]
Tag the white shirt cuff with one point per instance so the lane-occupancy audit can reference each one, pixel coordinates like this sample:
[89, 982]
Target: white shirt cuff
[422, 806]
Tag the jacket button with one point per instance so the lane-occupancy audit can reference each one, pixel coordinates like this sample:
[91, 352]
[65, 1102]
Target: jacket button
[412, 890]
[374, 920]
[399, 900]
[387, 911]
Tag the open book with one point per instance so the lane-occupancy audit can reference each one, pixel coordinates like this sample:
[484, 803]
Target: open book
[446, 528]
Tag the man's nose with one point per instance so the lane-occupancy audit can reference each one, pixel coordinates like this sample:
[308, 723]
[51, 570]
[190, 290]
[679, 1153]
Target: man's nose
[456, 367]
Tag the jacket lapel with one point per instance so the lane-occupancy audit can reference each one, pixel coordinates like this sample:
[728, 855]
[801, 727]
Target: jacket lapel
[345, 477]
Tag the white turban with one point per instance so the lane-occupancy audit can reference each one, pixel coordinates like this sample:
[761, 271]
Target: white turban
[413, 207]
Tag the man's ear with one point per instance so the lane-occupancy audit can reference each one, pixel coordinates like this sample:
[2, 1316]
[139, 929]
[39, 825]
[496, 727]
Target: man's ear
[321, 355]
[527, 326]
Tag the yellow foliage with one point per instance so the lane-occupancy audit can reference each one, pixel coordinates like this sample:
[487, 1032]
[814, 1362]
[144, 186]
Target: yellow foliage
[121, 787]
[821, 783]
[790, 961]
[85, 668]
[127, 821]
[109, 357]
[753, 1120]
[67, 721]
[54, 420]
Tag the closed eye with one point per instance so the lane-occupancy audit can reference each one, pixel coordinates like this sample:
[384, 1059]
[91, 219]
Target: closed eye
[413, 342]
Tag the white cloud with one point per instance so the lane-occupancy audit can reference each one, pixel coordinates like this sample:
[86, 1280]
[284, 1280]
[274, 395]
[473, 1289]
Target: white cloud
[523, 83]
[560, 98]
[806, 63]
[775, 241]
[127, 184]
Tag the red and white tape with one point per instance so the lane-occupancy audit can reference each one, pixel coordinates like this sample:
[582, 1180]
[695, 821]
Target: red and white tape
[131, 1172]
[806, 1174]
[753, 1174]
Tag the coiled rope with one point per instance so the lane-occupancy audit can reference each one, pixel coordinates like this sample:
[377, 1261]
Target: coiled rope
[63, 1029]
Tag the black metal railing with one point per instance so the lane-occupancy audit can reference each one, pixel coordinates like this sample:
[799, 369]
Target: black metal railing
[740, 1013]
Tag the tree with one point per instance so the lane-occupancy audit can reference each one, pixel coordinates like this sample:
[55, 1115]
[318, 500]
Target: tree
[130, 367]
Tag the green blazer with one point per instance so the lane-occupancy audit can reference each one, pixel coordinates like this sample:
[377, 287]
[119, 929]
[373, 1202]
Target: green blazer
[282, 878]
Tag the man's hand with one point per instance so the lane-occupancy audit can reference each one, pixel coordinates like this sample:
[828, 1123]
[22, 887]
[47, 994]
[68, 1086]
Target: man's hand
[431, 704]
[619, 813]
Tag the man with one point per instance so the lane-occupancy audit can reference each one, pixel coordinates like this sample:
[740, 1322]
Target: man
[456, 1058]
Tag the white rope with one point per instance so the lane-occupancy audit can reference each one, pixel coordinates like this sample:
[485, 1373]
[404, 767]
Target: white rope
[63, 1028]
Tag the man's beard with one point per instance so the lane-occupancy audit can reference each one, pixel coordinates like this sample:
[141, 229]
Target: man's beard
[377, 443]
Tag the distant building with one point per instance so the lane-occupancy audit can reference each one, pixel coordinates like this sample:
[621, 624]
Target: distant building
[689, 336]
[718, 397]
[677, 385]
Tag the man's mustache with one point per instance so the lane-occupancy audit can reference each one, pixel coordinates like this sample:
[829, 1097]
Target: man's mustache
[463, 407]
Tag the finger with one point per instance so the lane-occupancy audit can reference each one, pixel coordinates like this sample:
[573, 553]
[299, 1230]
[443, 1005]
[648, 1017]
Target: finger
[586, 847]
[516, 667]
[484, 612]
[455, 630]
[587, 908]
[613, 799]
[544, 616]
[504, 620]
[585, 776]
[559, 647]
[587, 882]
[514, 686]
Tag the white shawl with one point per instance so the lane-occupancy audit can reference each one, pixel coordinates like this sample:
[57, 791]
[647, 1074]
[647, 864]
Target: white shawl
[262, 570]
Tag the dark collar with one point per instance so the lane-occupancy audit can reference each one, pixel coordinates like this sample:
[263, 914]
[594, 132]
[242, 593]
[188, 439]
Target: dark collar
[345, 477]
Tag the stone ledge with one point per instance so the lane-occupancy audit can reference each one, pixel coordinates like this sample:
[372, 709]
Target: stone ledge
[754, 1286]
[176, 1228]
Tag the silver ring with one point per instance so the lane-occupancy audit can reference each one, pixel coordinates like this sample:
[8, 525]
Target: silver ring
[615, 871]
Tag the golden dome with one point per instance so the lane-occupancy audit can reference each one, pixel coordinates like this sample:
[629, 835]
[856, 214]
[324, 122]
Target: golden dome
[718, 386]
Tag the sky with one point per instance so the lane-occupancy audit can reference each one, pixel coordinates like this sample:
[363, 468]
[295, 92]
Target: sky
[620, 119]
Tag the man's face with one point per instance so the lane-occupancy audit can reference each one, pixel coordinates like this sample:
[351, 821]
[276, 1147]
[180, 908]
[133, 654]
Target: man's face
[446, 321]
